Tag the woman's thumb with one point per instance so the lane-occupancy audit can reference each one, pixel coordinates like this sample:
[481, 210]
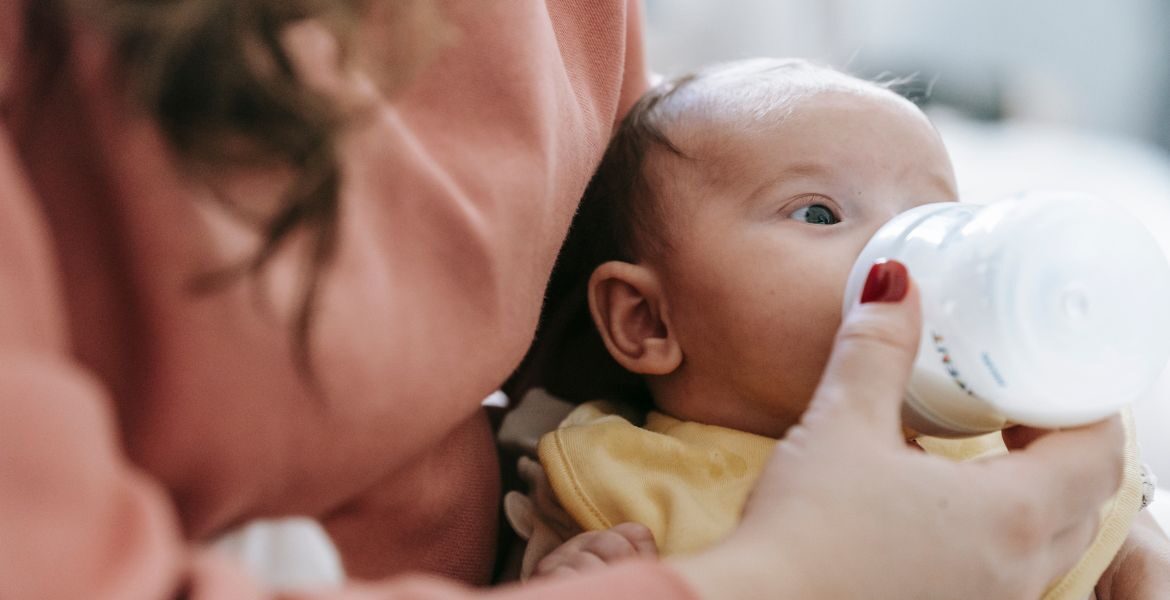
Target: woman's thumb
[866, 376]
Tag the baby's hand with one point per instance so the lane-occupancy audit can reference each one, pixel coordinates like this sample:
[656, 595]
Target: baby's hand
[593, 549]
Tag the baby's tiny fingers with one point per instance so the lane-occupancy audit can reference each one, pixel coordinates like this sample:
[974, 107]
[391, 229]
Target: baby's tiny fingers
[586, 561]
[639, 536]
[594, 549]
[610, 545]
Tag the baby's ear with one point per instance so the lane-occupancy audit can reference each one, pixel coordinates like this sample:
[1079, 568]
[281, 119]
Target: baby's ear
[629, 310]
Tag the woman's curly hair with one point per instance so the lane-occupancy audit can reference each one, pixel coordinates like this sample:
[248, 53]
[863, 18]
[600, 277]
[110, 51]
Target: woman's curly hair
[224, 89]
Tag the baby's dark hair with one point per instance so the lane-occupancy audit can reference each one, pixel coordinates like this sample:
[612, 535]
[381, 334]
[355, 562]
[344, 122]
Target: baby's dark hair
[222, 84]
[617, 219]
[620, 216]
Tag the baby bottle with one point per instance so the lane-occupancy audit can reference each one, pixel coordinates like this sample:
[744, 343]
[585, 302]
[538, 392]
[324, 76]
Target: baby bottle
[1049, 310]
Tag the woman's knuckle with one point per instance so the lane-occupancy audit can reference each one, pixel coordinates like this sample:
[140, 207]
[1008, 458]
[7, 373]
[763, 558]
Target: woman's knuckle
[1027, 524]
[885, 337]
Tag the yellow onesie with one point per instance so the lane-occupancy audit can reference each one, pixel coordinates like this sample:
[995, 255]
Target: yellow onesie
[688, 482]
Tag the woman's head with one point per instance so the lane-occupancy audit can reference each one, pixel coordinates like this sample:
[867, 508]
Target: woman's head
[739, 198]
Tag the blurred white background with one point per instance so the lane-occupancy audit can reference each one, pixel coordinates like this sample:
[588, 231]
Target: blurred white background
[1102, 65]
[1028, 94]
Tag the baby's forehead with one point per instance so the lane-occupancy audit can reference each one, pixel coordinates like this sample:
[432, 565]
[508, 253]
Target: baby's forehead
[722, 125]
[725, 102]
[710, 116]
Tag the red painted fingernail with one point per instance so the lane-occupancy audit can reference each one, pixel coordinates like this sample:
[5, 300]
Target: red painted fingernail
[887, 281]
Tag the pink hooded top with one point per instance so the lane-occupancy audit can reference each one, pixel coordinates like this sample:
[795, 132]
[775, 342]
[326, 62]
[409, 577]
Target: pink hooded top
[137, 418]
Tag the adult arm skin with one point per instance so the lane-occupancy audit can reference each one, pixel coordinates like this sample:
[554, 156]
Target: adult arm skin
[1141, 569]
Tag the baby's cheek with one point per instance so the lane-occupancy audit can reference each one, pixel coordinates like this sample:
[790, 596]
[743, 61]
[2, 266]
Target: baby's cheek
[811, 347]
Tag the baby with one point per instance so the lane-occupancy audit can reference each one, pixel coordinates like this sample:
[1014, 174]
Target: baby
[712, 249]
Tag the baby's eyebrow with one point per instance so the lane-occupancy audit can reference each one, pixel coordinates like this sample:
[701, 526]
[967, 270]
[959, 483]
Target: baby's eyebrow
[806, 169]
[800, 170]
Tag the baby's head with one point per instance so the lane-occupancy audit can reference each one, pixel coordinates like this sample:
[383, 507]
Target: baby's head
[737, 200]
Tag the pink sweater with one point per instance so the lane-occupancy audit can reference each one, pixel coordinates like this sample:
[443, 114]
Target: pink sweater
[136, 418]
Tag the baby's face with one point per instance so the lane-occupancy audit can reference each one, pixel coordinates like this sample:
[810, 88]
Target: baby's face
[764, 228]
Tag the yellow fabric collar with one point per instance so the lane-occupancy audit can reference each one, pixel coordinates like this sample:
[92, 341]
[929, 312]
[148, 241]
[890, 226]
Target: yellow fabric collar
[686, 481]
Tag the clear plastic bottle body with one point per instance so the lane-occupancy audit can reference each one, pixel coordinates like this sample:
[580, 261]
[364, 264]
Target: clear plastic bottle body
[1048, 310]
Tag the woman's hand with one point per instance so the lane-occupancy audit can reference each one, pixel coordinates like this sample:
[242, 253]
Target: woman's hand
[845, 509]
[1141, 569]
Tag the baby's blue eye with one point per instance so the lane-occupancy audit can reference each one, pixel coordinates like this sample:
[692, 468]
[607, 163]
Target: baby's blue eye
[816, 214]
